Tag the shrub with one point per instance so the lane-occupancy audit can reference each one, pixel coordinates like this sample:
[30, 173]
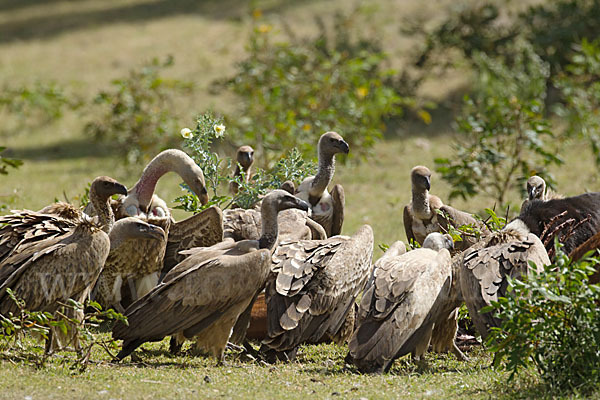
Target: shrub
[550, 321]
[217, 170]
[37, 104]
[504, 137]
[293, 91]
[580, 88]
[6, 162]
[138, 114]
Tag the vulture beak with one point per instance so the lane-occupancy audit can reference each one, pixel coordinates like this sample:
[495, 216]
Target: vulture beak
[299, 203]
[154, 232]
[120, 189]
[344, 147]
[202, 195]
[428, 183]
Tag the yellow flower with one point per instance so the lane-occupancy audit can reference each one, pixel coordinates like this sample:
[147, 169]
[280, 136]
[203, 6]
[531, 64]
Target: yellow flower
[256, 13]
[264, 28]
[219, 130]
[362, 92]
[306, 127]
[187, 133]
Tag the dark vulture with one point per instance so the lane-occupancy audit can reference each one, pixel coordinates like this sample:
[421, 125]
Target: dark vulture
[573, 220]
[203, 296]
[244, 158]
[486, 266]
[422, 217]
[327, 208]
[312, 289]
[397, 313]
[127, 233]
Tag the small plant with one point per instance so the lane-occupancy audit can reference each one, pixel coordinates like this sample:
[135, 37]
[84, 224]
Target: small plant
[295, 90]
[550, 321]
[138, 114]
[217, 171]
[17, 331]
[504, 135]
[6, 162]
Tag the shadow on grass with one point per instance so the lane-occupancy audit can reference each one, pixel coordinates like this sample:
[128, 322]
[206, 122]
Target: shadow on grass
[68, 149]
[43, 27]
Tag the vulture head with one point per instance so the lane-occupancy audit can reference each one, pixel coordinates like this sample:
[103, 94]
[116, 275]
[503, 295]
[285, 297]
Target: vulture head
[134, 228]
[536, 188]
[280, 200]
[332, 143]
[103, 187]
[245, 157]
[436, 241]
[140, 195]
[420, 177]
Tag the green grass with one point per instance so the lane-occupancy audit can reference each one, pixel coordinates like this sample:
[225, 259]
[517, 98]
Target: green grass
[83, 45]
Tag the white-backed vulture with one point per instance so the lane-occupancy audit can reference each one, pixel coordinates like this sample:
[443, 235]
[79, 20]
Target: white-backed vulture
[312, 289]
[44, 270]
[327, 208]
[573, 220]
[421, 215]
[126, 233]
[486, 266]
[244, 158]
[397, 313]
[204, 295]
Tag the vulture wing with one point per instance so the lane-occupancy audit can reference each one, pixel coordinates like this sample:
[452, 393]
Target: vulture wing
[408, 222]
[483, 277]
[339, 201]
[200, 230]
[313, 287]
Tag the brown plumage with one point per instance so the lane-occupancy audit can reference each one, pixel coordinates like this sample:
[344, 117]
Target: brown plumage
[312, 289]
[127, 233]
[204, 295]
[47, 269]
[421, 215]
[63, 210]
[327, 208]
[486, 266]
[244, 158]
[397, 313]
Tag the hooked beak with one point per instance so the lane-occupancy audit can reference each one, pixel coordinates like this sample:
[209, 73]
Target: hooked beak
[203, 196]
[154, 232]
[345, 147]
[428, 183]
[120, 189]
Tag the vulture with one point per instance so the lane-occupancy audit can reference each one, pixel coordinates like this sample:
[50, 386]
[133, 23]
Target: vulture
[312, 289]
[47, 264]
[572, 220]
[244, 158]
[397, 312]
[486, 266]
[127, 233]
[422, 215]
[23, 228]
[203, 296]
[327, 208]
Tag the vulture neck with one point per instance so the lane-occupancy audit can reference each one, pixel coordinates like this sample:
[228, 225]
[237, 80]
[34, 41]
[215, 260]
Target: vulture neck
[420, 203]
[268, 237]
[167, 161]
[106, 218]
[323, 176]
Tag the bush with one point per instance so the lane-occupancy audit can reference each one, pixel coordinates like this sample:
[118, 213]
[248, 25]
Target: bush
[550, 321]
[37, 104]
[580, 88]
[293, 91]
[138, 115]
[217, 170]
[503, 133]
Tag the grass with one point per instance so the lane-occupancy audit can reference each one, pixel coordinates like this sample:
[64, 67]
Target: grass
[83, 45]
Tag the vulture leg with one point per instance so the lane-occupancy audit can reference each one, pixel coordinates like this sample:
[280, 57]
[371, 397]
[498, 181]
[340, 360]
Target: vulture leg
[339, 202]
